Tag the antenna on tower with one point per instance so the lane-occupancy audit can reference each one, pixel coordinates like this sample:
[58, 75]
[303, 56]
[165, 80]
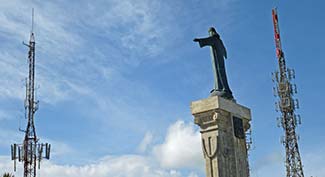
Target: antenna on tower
[287, 105]
[32, 20]
[30, 152]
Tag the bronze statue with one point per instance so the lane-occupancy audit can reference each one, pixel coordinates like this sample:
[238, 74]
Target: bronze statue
[218, 53]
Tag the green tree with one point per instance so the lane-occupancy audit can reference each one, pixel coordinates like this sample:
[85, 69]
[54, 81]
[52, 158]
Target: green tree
[8, 175]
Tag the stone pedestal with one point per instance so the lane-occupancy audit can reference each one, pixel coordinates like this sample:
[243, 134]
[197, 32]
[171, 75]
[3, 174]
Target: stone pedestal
[223, 126]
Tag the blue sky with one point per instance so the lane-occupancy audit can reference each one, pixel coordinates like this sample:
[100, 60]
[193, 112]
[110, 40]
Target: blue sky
[116, 79]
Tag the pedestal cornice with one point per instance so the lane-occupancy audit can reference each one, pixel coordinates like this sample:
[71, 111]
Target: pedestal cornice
[219, 103]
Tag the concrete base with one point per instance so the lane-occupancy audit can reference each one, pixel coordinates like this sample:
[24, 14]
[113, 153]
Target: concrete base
[223, 126]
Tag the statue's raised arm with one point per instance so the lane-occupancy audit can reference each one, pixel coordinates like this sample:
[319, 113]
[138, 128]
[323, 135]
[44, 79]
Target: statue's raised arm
[204, 41]
[218, 54]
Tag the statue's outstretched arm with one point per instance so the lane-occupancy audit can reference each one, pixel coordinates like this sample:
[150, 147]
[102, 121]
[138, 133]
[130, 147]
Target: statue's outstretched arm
[204, 41]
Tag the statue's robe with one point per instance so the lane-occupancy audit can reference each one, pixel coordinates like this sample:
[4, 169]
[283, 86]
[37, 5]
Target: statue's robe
[218, 55]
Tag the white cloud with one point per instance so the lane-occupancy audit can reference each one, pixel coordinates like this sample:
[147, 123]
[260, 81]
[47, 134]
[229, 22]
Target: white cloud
[137, 25]
[59, 148]
[181, 138]
[181, 148]
[123, 166]
[5, 165]
[120, 166]
[146, 141]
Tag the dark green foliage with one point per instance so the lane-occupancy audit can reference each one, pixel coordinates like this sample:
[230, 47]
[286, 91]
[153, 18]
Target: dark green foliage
[8, 175]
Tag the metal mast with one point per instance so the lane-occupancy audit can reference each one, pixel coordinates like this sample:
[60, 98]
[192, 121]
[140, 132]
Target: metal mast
[287, 105]
[30, 151]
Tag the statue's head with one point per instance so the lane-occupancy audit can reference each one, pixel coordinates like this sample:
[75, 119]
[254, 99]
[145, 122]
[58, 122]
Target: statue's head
[212, 31]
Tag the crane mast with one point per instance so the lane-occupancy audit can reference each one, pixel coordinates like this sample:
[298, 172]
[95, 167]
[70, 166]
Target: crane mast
[287, 105]
[30, 151]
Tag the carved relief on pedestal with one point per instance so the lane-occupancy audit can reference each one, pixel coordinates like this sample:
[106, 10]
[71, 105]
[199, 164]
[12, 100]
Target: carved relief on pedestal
[210, 146]
[210, 151]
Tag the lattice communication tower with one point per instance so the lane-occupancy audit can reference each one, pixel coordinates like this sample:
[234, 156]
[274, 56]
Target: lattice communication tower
[287, 105]
[30, 152]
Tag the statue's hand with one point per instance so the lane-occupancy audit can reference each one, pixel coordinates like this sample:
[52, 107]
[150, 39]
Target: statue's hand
[196, 40]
